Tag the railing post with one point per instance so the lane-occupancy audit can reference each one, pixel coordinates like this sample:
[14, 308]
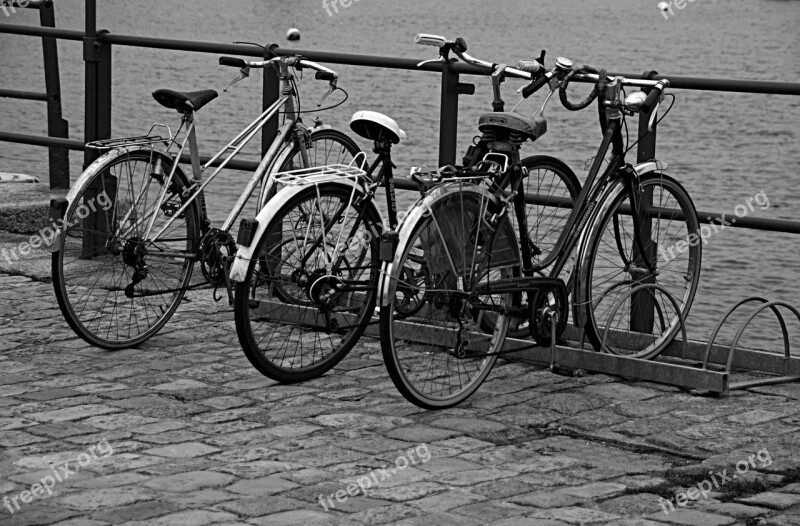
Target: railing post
[271, 93]
[642, 304]
[448, 120]
[97, 57]
[56, 125]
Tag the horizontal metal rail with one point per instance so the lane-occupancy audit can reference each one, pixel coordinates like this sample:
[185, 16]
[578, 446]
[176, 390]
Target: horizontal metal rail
[680, 82]
[34, 31]
[753, 223]
[37, 140]
[24, 95]
[676, 81]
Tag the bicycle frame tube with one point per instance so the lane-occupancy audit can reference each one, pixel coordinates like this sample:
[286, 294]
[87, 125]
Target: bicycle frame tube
[585, 203]
[285, 133]
[234, 146]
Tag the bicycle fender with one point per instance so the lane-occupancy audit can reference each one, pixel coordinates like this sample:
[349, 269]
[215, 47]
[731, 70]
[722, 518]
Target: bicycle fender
[649, 166]
[58, 239]
[245, 253]
[584, 241]
[390, 271]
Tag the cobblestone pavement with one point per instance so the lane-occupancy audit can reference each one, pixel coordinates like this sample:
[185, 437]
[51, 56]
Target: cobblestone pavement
[184, 431]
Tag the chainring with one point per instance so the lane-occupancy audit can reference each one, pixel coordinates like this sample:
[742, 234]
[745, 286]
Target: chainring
[550, 296]
[216, 247]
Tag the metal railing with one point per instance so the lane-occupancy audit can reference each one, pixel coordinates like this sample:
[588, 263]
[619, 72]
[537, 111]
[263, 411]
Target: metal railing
[97, 51]
[56, 125]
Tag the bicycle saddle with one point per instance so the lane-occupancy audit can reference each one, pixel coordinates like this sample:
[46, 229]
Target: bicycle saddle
[530, 127]
[371, 125]
[184, 102]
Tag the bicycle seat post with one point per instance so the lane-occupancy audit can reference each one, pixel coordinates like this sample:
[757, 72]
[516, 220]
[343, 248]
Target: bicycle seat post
[194, 152]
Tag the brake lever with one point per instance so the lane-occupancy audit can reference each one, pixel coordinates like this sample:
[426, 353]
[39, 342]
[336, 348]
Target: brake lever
[331, 89]
[440, 60]
[243, 74]
[653, 115]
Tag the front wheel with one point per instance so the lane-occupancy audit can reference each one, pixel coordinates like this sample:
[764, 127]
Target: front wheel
[310, 288]
[551, 189]
[613, 264]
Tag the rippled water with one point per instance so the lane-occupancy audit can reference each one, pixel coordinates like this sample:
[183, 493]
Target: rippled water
[723, 147]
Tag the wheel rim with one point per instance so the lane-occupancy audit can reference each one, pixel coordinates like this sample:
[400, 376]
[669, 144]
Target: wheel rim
[425, 347]
[647, 321]
[102, 253]
[289, 330]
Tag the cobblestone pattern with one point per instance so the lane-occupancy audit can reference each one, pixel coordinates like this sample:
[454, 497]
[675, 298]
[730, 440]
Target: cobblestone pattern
[199, 437]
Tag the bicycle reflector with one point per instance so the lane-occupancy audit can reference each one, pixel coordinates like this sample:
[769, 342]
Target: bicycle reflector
[58, 207]
[247, 231]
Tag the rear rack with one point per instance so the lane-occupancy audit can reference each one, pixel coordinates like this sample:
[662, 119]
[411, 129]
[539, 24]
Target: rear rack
[126, 142]
[140, 140]
[320, 174]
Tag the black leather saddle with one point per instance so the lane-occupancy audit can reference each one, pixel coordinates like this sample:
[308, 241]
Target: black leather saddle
[184, 102]
[530, 128]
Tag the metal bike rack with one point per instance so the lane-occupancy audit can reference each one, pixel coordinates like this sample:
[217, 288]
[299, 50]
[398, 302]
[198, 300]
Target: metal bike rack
[685, 363]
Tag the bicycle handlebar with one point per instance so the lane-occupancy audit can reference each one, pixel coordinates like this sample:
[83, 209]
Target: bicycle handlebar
[232, 62]
[323, 73]
[459, 47]
[591, 74]
[654, 95]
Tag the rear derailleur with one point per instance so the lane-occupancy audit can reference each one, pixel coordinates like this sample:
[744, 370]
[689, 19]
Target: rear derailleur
[217, 252]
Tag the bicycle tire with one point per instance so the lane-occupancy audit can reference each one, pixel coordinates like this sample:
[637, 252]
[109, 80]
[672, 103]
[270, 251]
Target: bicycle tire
[610, 268]
[89, 282]
[548, 177]
[421, 352]
[274, 341]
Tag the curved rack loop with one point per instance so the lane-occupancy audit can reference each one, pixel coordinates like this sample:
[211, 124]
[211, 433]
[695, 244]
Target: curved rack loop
[769, 305]
[646, 286]
[772, 305]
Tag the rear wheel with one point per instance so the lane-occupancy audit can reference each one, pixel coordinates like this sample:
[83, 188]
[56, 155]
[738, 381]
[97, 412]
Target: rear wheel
[613, 265]
[115, 288]
[310, 289]
[438, 356]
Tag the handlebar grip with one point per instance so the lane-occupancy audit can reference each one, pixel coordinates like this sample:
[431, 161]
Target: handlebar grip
[652, 97]
[534, 86]
[460, 45]
[233, 62]
[324, 75]
[531, 66]
[425, 39]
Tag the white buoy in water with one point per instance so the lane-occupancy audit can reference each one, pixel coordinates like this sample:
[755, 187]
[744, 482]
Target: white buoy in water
[293, 34]
[663, 6]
